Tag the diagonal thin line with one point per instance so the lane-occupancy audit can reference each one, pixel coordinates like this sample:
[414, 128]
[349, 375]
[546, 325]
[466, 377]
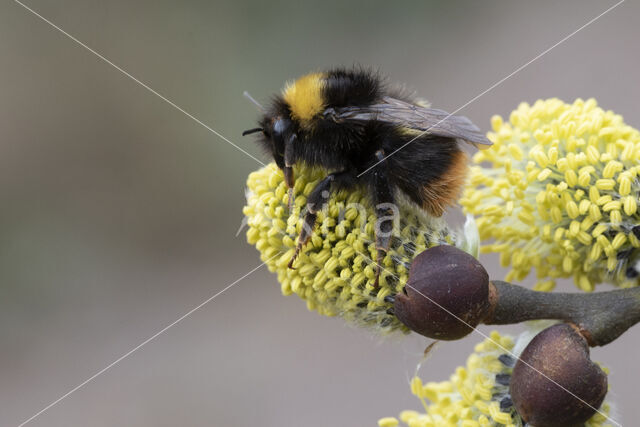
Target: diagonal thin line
[493, 341]
[136, 348]
[496, 84]
[144, 85]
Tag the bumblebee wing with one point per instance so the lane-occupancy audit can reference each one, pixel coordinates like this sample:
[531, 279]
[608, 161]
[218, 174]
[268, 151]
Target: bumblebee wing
[395, 111]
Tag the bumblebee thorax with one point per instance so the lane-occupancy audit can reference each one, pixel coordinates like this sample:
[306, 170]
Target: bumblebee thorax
[305, 97]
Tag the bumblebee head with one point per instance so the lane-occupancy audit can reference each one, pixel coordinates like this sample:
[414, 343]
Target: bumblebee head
[278, 137]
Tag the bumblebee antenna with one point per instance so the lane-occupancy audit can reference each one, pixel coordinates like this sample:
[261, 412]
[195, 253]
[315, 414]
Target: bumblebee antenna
[250, 131]
[256, 103]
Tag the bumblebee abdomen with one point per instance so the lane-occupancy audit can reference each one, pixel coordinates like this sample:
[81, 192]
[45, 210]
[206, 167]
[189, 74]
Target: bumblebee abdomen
[445, 191]
[430, 170]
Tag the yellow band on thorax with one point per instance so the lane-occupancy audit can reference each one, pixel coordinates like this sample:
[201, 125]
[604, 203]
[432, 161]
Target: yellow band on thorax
[304, 96]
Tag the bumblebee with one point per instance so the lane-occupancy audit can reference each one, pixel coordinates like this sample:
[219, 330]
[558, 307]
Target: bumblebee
[365, 133]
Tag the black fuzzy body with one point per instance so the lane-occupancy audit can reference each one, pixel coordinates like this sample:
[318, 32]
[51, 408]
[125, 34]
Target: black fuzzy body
[352, 145]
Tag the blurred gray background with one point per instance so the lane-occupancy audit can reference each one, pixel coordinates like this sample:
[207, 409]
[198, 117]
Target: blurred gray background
[119, 213]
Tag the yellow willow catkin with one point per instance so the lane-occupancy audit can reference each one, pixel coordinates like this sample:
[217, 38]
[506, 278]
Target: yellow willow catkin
[335, 272]
[575, 207]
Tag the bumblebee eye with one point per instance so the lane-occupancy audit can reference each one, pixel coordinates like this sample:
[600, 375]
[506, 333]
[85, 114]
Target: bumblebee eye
[279, 126]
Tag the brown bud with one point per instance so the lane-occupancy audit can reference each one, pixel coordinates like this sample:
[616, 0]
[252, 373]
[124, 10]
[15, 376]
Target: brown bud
[554, 383]
[447, 294]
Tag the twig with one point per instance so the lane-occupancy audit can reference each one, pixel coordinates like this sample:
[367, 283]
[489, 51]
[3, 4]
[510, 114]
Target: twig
[601, 317]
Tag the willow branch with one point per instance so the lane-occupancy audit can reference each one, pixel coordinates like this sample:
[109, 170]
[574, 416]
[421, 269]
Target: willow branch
[601, 317]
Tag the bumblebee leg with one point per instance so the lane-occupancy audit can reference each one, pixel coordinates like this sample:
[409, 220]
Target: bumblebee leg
[304, 236]
[385, 209]
[316, 200]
